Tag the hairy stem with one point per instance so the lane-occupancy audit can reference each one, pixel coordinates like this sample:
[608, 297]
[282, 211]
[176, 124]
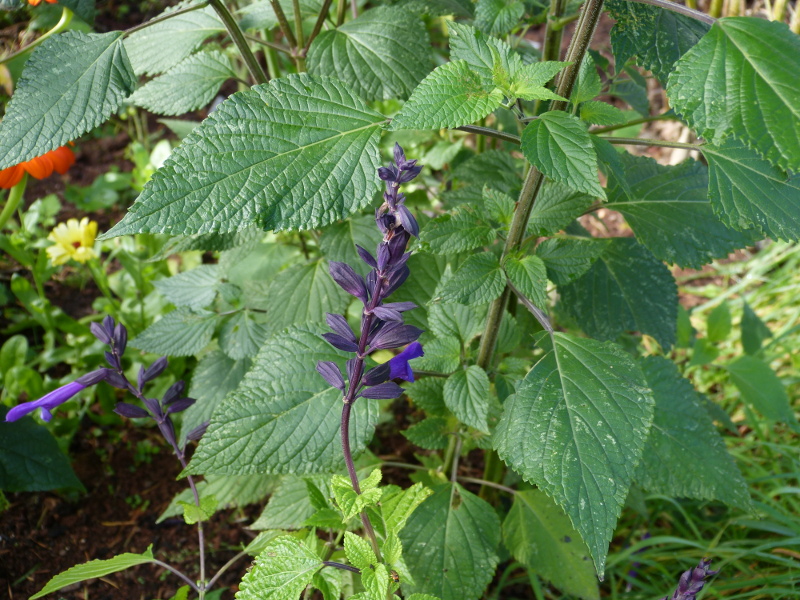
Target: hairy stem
[661, 117]
[283, 23]
[645, 142]
[298, 32]
[269, 44]
[500, 135]
[323, 13]
[253, 66]
[686, 10]
[551, 47]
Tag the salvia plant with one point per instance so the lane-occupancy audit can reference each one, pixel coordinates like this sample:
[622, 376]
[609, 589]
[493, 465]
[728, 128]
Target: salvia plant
[547, 343]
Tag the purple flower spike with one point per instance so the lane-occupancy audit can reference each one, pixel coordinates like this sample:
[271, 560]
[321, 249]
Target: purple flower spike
[384, 391]
[377, 375]
[366, 256]
[395, 335]
[46, 403]
[339, 325]
[387, 314]
[350, 281]
[100, 333]
[408, 220]
[692, 581]
[130, 411]
[339, 342]
[331, 373]
[399, 367]
[180, 405]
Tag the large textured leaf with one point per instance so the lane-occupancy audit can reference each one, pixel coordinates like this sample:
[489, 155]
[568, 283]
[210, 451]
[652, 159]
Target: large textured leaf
[241, 335]
[460, 230]
[498, 17]
[658, 37]
[669, 211]
[566, 259]
[283, 418]
[72, 83]
[685, 455]
[741, 78]
[300, 152]
[539, 534]
[479, 50]
[160, 47]
[479, 280]
[94, 569]
[576, 427]
[451, 96]
[466, 393]
[179, 333]
[85, 9]
[196, 288]
[529, 275]
[747, 191]
[556, 207]
[281, 572]
[627, 289]
[189, 85]
[289, 505]
[558, 144]
[450, 544]
[382, 54]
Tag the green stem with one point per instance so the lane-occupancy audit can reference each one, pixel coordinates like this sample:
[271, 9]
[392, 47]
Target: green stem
[643, 142]
[341, 9]
[66, 18]
[256, 72]
[165, 17]
[500, 135]
[100, 278]
[283, 23]
[269, 44]
[715, 10]
[298, 31]
[271, 57]
[795, 24]
[686, 10]
[778, 10]
[323, 13]
[15, 195]
[609, 128]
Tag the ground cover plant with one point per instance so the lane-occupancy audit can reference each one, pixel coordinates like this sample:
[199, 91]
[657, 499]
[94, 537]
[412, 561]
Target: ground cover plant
[401, 206]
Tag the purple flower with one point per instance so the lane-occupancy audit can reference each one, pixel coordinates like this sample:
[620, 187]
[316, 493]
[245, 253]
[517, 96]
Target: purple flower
[46, 403]
[692, 581]
[399, 367]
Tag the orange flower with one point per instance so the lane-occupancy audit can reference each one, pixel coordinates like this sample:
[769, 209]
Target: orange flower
[58, 160]
[38, 2]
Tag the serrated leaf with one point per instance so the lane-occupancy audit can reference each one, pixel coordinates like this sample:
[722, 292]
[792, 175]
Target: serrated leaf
[338, 241]
[195, 514]
[589, 85]
[576, 427]
[529, 276]
[626, 289]
[450, 544]
[229, 492]
[430, 433]
[398, 507]
[428, 393]
[685, 456]
[94, 569]
[558, 144]
[241, 167]
[159, 47]
[329, 582]
[658, 37]
[610, 162]
[741, 79]
[71, 84]
[443, 354]
[382, 54]
[499, 207]
[358, 550]
[556, 206]
[348, 501]
[567, 259]
[179, 333]
[493, 168]
[762, 389]
[376, 581]
[479, 50]
[241, 335]
[669, 211]
[601, 113]
[528, 81]
[456, 232]
[281, 572]
[196, 288]
[302, 294]
[452, 95]
[754, 330]
[466, 394]
[478, 280]
[539, 534]
[214, 376]
[289, 505]
[283, 417]
[498, 17]
[191, 84]
[747, 191]
[455, 320]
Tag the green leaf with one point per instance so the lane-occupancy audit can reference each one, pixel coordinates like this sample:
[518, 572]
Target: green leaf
[658, 37]
[396, 508]
[703, 352]
[196, 288]
[478, 280]
[567, 259]
[191, 84]
[601, 113]
[428, 393]
[466, 393]
[30, 459]
[634, 94]
[281, 572]
[747, 191]
[338, 241]
[493, 168]
[558, 144]
[498, 17]
[611, 163]
[668, 209]
[754, 331]
[443, 354]
[455, 320]
[159, 47]
[529, 276]
[85, 9]
[195, 514]
[576, 428]
[242, 165]
[214, 376]
[71, 84]
[719, 323]
[589, 84]
[241, 335]
[259, 14]
[451, 96]
[358, 550]
[450, 544]
[499, 207]
[348, 501]
[685, 455]
[376, 581]
[732, 82]
[528, 81]
[539, 535]
[556, 207]
[283, 417]
[480, 50]
[229, 492]
[762, 389]
[430, 433]
[94, 569]
[627, 289]
[302, 294]
[458, 231]
[289, 505]
[179, 333]
[382, 54]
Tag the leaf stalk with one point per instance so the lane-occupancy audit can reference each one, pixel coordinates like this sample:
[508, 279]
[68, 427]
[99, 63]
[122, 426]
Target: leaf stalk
[256, 72]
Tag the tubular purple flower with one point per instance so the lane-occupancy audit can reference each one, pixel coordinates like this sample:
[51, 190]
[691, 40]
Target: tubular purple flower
[330, 373]
[339, 325]
[46, 403]
[366, 256]
[339, 342]
[692, 581]
[383, 391]
[395, 335]
[350, 281]
[399, 367]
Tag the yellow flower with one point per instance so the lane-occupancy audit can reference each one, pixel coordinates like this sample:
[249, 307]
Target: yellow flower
[73, 240]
